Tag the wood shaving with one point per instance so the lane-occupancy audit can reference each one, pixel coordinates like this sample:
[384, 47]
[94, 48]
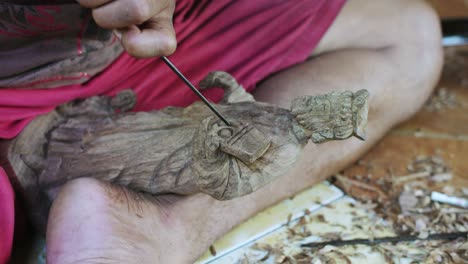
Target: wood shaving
[428, 164]
[289, 219]
[411, 177]
[321, 218]
[442, 177]
[441, 99]
[348, 185]
[212, 250]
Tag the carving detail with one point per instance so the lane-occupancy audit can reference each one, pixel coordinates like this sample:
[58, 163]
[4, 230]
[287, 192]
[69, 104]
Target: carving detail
[337, 115]
[244, 142]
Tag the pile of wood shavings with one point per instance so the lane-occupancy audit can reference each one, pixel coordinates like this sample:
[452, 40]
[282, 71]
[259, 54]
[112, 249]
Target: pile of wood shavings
[418, 214]
[407, 206]
[432, 164]
[408, 203]
[441, 99]
[413, 252]
[430, 252]
[298, 232]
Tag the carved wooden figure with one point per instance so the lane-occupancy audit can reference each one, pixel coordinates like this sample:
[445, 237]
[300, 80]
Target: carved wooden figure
[178, 150]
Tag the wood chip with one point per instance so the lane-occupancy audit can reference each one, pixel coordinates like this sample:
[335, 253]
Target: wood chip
[442, 177]
[212, 250]
[348, 184]
[411, 177]
[441, 99]
[288, 221]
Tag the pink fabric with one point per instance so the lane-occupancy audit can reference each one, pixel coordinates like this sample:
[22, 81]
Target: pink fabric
[249, 39]
[7, 216]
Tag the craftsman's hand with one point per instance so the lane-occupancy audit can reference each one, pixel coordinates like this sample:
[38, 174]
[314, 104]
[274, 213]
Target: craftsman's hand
[146, 25]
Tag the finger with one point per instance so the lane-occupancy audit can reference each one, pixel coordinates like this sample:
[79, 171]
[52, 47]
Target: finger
[154, 38]
[93, 3]
[124, 13]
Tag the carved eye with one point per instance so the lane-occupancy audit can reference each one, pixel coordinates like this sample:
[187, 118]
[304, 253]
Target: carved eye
[323, 107]
[359, 101]
[225, 132]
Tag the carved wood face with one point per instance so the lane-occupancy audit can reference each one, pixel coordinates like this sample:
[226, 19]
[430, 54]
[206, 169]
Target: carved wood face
[332, 116]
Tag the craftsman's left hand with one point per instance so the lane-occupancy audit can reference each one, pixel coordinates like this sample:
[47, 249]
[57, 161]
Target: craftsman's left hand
[146, 25]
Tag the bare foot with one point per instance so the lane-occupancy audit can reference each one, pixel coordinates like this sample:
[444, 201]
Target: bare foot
[95, 222]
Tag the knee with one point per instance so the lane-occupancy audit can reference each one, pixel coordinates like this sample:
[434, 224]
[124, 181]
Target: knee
[421, 35]
[417, 54]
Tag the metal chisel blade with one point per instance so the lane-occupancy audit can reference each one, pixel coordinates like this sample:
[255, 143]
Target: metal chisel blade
[195, 90]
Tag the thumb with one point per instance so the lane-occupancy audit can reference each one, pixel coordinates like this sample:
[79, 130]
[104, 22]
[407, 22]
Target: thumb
[155, 37]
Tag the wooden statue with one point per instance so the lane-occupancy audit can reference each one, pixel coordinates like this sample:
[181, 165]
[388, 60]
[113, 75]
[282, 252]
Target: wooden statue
[178, 150]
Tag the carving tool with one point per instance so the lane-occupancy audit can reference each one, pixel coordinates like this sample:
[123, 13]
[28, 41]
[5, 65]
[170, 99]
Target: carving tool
[378, 240]
[195, 90]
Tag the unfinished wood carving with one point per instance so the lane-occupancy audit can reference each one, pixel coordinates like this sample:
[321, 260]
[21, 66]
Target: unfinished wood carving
[178, 150]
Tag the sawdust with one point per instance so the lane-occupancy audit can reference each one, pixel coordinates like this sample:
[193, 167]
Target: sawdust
[420, 215]
[406, 205]
[441, 99]
[417, 252]
[414, 212]
[349, 184]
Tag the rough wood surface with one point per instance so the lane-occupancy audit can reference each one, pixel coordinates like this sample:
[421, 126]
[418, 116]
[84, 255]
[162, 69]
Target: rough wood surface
[178, 150]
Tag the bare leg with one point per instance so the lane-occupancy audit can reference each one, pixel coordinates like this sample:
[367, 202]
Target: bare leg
[391, 48]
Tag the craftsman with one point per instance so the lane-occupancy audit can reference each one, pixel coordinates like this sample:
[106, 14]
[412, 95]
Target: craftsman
[64, 50]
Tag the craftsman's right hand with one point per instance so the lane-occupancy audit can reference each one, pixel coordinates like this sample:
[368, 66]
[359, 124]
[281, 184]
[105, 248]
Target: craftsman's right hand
[145, 25]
